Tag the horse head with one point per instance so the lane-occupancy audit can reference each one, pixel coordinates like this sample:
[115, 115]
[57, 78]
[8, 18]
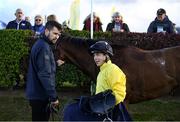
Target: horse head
[75, 51]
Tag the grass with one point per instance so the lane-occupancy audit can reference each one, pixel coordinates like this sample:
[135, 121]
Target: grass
[14, 107]
[156, 110]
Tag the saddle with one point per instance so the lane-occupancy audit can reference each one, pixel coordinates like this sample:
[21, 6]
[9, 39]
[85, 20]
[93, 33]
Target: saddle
[101, 103]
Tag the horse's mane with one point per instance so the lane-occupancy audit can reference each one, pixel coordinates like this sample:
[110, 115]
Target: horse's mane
[86, 42]
[78, 41]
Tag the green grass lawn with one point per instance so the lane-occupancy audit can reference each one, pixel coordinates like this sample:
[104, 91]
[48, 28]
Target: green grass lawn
[14, 107]
[156, 110]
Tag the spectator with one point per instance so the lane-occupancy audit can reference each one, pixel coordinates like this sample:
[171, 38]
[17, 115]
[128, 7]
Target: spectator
[19, 23]
[65, 25]
[97, 25]
[38, 27]
[27, 18]
[117, 24]
[2, 25]
[161, 23]
[52, 17]
[40, 87]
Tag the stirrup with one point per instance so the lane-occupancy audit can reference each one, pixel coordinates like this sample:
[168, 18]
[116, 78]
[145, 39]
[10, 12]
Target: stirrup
[107, 119]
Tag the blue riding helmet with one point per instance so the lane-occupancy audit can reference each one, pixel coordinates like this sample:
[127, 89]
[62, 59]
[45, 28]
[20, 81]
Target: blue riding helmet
[101, 46]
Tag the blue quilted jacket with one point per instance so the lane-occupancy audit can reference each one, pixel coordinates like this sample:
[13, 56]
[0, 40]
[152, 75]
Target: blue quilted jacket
[41, 72]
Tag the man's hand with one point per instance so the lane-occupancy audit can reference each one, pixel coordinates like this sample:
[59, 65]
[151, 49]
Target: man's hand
[56, 103]
[60, 62]
[54, 106]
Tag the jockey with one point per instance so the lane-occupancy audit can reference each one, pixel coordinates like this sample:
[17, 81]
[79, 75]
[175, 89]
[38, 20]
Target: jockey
[110, 77]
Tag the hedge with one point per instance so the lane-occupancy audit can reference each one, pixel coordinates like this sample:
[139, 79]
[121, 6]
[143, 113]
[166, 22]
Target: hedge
[12, 48]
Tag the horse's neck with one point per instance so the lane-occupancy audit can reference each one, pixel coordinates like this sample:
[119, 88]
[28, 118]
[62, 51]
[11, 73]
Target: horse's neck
[77, 53]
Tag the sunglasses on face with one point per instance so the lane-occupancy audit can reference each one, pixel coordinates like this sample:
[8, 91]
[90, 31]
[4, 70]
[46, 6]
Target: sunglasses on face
[37, 19]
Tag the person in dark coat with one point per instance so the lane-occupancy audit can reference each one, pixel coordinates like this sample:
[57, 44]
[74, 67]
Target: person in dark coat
[40, 87]
[97, 24]
[161, 23]
[19, 22]
[117, 24]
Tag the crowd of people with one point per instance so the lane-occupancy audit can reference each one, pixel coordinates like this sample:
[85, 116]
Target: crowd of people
[22, 22]
[161, 23]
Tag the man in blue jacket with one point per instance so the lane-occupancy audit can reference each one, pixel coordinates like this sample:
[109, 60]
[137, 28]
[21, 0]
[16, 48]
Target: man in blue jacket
[161, 23]
[40, 89]
[19, 22]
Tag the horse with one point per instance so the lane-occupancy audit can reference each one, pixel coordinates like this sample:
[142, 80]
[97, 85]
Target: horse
[150, 73]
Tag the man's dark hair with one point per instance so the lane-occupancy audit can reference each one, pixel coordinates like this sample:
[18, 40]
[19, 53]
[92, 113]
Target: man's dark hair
[161, 11]
[51, 24]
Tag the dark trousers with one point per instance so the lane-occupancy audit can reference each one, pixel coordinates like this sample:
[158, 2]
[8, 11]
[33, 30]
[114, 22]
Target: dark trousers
[40, 110]
[73, 113]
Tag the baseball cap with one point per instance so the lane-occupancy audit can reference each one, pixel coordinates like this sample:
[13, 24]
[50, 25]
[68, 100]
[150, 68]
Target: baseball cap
[161, 11]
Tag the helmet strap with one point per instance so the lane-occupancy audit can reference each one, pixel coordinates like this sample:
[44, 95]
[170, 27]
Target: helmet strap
[107, 57]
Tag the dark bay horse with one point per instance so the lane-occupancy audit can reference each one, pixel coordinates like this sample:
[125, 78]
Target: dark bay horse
[150, 74]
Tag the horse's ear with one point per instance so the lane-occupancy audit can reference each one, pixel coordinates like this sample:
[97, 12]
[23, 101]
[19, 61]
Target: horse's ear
[90, 42]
